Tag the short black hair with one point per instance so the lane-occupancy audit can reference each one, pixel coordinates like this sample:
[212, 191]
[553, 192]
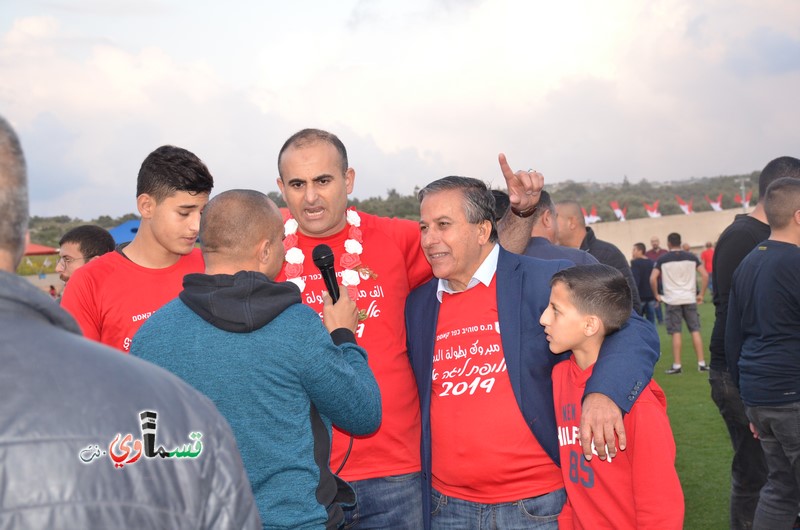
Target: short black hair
[501, 203]
[234, 221]
[545, 204]
[311, 136]
[784, 166]
[641, 247]
[478, 201]
[781, 201]
[169, 169]
[674, 240]
[599, 290]
[92, 240]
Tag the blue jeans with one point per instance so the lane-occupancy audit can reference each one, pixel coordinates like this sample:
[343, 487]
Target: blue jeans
[748, 468]
[388, 502]
[659, 313]
[779, 430]
[449, 513]
[648, 310]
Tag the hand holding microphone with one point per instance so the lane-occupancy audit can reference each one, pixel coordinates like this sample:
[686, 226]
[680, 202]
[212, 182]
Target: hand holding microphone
[338, 309]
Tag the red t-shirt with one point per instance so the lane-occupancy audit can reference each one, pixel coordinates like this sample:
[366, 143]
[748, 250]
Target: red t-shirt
[391, 250]
[111, 296]
[708, 259]
[481, 447]
[638, 489]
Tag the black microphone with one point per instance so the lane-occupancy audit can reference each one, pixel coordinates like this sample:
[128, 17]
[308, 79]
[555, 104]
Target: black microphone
[323, 259]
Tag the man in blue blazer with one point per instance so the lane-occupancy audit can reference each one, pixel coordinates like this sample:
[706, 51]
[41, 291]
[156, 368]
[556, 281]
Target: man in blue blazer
[477, 349]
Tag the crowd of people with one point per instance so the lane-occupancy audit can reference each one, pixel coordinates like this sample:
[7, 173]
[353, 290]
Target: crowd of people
[426, 390]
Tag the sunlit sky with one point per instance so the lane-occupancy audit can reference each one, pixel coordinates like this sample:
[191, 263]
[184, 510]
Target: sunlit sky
[578, 89]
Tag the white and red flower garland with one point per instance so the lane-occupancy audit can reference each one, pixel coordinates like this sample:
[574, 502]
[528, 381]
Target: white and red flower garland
[353, 270]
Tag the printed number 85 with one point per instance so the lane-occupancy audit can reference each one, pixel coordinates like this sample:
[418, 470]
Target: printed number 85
[580, 470]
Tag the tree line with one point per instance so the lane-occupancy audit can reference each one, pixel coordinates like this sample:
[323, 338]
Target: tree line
[48, 230]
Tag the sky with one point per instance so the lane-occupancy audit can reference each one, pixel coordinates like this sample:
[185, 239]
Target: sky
[578, 89]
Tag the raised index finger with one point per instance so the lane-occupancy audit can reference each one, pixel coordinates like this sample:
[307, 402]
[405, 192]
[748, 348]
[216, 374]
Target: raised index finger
[504, 167]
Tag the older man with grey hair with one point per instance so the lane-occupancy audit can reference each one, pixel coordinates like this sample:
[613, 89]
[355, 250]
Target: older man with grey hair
[482, 366]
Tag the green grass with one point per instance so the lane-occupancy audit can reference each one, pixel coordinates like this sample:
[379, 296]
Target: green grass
[703, 447]
[36, 265]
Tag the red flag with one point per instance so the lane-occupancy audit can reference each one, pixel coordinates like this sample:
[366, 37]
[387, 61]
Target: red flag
[652, 209]
[619, 212]
[715, 205]
[685, 207]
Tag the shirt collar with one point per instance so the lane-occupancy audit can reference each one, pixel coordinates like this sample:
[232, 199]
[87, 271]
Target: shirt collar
[483, 275]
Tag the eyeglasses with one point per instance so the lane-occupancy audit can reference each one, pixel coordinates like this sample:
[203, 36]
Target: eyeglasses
[67, 260]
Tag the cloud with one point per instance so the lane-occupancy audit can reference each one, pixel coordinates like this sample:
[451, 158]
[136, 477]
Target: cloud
[580, 90]
[765, 52]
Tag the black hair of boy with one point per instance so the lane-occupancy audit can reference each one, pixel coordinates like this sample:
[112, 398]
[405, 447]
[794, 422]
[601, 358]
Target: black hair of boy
[170, 169]
[600, 290]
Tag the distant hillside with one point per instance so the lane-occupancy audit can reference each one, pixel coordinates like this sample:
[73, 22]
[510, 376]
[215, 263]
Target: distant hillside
[634, 195]
[48, 230]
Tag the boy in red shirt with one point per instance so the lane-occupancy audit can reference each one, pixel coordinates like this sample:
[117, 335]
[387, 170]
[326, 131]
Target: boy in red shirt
[640, 489]
[111, 296]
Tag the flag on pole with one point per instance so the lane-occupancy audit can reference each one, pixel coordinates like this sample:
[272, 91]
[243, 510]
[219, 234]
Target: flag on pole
[738, 199]
[619, 212]
[652, 209]
[590, 217]
[715, 205]
[686, 207]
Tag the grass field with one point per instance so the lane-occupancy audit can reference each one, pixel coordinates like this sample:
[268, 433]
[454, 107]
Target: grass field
[704, 449]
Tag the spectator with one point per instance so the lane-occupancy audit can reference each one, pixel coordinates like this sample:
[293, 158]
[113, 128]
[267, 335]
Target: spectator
[381, 262]
[748, 468]
[677, 272]
[267, 361]
[642, 268]
[487, 432]
[544, 234]
[655, 251]
[111, 297]
[707, 257]
[573, 232]
[653, 254]
[64, 399]
[761, 343]
[79, 246]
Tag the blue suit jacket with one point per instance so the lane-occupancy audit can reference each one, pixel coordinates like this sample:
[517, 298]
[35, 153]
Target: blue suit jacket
[624, 368]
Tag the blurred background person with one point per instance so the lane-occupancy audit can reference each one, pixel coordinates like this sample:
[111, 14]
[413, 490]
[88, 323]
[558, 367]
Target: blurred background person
[79, 246]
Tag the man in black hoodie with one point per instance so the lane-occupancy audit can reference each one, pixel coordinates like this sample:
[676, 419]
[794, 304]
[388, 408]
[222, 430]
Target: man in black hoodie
[274, 371]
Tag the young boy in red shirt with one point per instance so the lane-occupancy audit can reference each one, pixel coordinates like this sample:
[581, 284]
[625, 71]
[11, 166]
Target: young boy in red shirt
[111, 296]
[640, 488]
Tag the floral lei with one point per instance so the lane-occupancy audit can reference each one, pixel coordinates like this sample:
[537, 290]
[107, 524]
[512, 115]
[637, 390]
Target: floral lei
[353, 270]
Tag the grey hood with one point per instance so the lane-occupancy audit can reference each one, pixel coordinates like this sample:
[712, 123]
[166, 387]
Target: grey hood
[240, 303]
[18, 295]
